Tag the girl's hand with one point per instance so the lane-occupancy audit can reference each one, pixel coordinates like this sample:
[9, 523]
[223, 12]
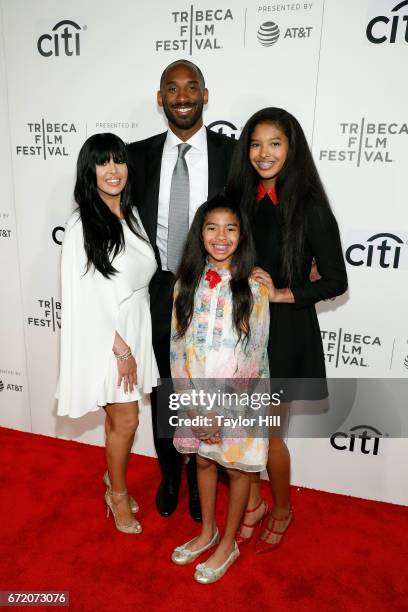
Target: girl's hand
[209, 433]
[127, 372]
[314, 273]
[260, 276]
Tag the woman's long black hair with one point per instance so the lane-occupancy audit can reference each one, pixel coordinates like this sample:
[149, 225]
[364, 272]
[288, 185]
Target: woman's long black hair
[194, 260]
[297, 185]
[103, 232]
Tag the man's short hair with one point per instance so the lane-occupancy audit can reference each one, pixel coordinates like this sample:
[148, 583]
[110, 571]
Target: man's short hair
[186, 63]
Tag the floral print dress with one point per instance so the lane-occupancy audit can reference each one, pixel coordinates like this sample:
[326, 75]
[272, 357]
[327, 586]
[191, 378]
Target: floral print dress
[209, 358]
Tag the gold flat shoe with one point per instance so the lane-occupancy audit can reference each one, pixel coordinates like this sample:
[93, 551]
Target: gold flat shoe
[133, 526]
[134, 506]
[206, 575]
[182, 555]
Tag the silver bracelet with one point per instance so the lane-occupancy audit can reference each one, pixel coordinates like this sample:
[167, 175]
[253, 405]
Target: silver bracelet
[126, 355]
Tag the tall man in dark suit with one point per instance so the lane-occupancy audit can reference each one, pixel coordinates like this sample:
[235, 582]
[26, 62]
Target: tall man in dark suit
[173, 173]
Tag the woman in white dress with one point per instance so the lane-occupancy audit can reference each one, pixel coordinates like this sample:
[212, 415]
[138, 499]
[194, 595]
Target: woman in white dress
[107, 358]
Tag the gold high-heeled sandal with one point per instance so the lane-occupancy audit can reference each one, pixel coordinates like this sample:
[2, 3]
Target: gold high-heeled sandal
[134, 506]
[133, 526]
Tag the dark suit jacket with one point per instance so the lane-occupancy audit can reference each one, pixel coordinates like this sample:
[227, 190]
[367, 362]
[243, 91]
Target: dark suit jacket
[145, 158]
[145, 163]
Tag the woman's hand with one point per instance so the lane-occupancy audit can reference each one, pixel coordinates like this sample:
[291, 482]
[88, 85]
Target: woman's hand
[314, 273]
[284, 296]
[260, 276]
[127, 372]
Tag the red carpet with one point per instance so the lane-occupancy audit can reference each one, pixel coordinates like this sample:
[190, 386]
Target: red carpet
[340, 554]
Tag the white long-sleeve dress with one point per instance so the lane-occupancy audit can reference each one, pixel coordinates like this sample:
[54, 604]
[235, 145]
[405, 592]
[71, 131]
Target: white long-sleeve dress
[93, 309]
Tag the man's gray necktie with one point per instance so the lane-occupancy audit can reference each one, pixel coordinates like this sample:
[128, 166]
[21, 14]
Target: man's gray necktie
[178, 209]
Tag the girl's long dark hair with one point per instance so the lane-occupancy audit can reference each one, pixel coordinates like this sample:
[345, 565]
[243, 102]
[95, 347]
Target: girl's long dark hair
[103, 232]
[194, 260]
[298, 184]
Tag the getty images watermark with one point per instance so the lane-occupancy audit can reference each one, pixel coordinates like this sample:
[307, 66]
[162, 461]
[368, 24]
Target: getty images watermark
[291, 407]
[228, 409]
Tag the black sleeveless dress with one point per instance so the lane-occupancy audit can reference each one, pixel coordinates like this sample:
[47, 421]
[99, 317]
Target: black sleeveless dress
[295, 347]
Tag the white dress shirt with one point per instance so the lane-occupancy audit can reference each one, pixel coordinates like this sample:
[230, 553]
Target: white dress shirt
[197, 164]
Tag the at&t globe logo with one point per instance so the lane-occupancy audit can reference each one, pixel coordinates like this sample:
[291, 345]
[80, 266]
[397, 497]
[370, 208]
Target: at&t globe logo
[268, 34]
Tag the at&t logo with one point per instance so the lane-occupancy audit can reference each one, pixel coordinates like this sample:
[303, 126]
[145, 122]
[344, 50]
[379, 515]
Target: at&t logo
[10, 387]
[64, 39]
[361, 438]
[223, 127]
[382, 250]
[269, 32]
[391, 29]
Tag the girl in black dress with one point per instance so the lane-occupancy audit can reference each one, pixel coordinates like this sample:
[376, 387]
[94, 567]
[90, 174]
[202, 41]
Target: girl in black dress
[274, 178]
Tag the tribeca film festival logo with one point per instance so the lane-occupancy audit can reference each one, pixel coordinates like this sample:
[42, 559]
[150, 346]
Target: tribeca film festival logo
[64, 39]
[391, 28]
[365, 142]
[346, 348]
[380, 251]
[195, 30]
[49, 315]
[47, 139]
[361, 438]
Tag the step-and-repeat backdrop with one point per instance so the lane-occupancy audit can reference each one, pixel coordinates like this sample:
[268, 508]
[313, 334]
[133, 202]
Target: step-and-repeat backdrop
[70, 69]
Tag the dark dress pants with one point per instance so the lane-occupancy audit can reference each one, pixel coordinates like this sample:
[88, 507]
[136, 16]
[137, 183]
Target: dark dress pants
[161, 304]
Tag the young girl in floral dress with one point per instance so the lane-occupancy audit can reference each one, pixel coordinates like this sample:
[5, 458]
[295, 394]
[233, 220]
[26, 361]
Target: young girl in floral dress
[219, 331]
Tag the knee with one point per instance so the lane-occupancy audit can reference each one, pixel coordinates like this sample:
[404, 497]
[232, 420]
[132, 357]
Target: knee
[235, 475]
[126, 425]
[202, 463]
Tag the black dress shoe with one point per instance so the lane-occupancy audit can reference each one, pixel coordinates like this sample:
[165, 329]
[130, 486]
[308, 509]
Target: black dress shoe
[167, 497]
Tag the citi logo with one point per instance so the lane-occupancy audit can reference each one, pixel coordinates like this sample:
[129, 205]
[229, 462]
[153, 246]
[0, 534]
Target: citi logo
[381, 250]
[224, 127]
[63, 40]
[383, 29]
[367, 441]
[268, 34]
[58, 234]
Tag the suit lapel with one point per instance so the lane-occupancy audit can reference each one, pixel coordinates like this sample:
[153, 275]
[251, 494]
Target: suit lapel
[151, 196]
[216, 165]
